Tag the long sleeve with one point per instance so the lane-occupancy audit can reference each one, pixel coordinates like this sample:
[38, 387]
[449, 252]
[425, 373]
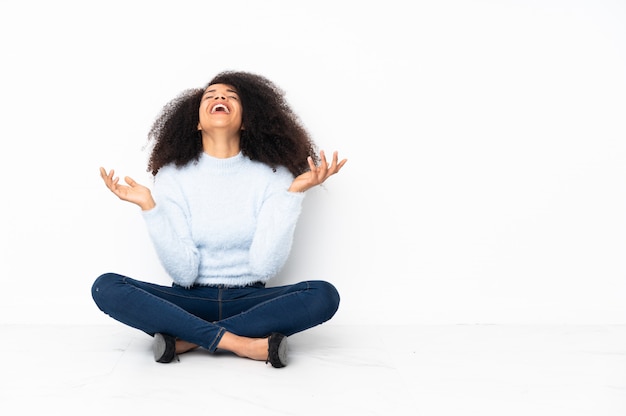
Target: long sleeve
[168, 227]
[274, 233]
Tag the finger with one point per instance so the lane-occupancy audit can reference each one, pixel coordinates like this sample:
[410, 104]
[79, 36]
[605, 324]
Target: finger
[130, 181]
[110, 179]
[322, 173]
[104, 175]
[106, 178]
[324, 163]
[311, 164]
[335, 159]
[337, 166]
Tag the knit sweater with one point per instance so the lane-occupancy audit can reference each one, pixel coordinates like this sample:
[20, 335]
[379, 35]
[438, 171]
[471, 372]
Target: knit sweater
[222, 221]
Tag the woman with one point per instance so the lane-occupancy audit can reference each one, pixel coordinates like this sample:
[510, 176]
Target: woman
[231, 163]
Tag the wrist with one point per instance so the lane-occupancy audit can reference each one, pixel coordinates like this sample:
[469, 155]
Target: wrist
[147, 206]
[296, 189]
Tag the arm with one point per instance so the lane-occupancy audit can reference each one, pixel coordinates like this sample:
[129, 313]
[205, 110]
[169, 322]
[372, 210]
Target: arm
[169, 230]
[273, 236]
[167, 226]
[133, 192]
[278, 217]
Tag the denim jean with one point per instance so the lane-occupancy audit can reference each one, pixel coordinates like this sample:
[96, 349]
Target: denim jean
[201, 314]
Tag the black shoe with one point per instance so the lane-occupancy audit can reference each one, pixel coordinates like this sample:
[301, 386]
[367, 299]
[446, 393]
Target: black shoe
[164, 348]
[277, 350]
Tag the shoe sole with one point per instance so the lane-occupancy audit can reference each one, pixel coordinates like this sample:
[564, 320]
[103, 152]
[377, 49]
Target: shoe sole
[277, 350]
[282, 351]
[160, 349]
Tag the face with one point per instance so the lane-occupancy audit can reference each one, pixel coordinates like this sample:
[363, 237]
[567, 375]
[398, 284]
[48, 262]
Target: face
[220, 108]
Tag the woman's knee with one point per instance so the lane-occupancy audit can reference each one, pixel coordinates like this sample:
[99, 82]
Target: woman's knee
[329, 295]
[102, 286]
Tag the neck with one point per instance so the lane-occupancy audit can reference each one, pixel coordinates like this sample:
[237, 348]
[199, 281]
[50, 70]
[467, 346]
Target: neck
[220, 146]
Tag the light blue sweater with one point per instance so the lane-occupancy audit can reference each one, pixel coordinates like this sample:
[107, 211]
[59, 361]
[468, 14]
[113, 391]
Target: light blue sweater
[223, 221]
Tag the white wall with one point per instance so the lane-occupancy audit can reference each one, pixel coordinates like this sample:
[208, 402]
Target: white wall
[486, 144]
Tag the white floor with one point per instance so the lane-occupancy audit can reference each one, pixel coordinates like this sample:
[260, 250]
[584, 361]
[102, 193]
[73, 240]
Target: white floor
[333, 370]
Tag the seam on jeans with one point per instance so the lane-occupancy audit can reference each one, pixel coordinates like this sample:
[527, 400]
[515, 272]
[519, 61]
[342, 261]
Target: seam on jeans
[219, 304]
[273, 299]
[266, 293]
[216, 340]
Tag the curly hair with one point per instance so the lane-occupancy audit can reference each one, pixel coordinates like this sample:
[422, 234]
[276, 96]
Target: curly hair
[273, 133]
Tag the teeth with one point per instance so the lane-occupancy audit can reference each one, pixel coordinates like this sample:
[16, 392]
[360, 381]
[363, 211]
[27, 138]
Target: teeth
[222, 106]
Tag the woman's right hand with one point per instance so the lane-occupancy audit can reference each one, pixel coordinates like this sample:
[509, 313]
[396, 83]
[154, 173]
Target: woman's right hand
[133, 192]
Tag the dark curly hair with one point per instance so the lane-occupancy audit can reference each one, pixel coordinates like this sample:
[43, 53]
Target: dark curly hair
[273, 133]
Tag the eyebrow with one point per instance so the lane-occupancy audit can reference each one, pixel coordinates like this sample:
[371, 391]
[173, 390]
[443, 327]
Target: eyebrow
[227, 90]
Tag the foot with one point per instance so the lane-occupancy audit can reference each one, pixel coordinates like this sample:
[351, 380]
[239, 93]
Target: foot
[253, 348]
[256, 349]
[183, 346]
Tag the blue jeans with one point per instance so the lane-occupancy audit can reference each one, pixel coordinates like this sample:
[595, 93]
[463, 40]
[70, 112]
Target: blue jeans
[202, 314]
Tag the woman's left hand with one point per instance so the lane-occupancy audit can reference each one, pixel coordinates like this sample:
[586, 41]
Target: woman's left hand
[317, 174]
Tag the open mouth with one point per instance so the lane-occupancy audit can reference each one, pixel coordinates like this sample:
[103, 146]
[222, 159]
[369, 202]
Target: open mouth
[220, 108]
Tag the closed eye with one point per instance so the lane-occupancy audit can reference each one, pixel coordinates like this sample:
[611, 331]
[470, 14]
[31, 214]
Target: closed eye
[208, 97]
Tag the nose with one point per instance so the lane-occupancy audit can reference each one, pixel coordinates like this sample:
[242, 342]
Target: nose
[219, 97]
